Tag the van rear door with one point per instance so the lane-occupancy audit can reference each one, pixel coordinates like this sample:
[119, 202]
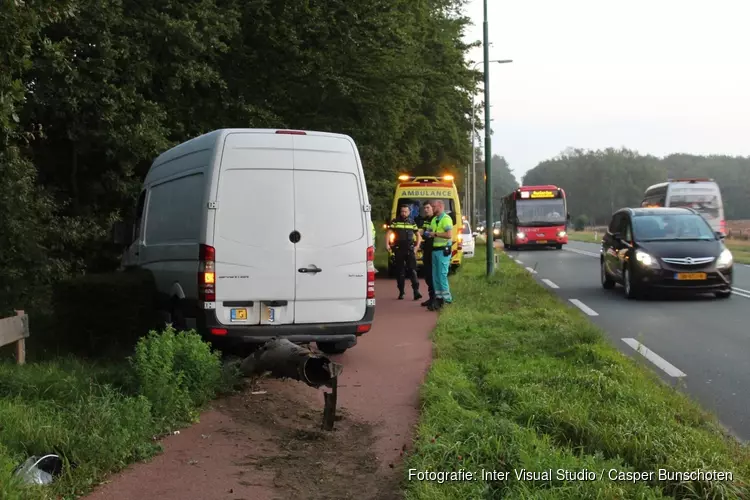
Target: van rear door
[255, 258]
[704, 197]
[331, 259]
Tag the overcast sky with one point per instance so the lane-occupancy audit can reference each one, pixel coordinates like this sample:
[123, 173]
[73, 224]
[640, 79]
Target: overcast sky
[658, 76]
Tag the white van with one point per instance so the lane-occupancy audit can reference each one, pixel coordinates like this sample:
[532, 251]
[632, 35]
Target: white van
[259, 233]
[702, 195]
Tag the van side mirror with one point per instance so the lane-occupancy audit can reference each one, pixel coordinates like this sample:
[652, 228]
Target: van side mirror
[567, 217]
[720, 235]
[122, 233]
[474, 234]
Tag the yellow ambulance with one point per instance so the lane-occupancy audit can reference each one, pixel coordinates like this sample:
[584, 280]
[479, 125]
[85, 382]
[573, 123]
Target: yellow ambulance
[413, 192]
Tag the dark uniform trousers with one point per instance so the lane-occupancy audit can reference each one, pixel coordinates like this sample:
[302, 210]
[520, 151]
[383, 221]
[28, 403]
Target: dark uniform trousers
[427, 259]
[405, 256]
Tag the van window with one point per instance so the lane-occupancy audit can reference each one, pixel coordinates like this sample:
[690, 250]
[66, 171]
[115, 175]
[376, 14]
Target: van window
[328, 208]
[139, 216]
[704, 200]
[467, 228]
[174, 211]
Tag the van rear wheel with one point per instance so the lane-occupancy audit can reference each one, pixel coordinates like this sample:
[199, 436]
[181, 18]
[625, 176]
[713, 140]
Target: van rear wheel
[333, 347]
[177, 316]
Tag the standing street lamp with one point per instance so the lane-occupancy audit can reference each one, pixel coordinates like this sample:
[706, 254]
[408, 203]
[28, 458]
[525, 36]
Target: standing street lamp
[488, 145]
[472, 168]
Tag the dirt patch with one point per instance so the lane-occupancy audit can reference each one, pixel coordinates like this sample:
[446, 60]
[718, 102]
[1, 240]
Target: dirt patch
[308, 462]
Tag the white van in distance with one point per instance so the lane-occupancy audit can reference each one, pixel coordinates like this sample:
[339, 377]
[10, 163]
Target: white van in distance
[700, 194]
[258, 233]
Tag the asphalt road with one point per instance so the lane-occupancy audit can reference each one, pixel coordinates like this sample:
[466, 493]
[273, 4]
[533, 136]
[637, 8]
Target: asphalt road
[700, 344]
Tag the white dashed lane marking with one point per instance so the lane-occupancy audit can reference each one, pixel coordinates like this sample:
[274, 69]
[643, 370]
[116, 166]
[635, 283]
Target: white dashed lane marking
[531, 270]
[650, 355]
[549, 283]
[583, 307]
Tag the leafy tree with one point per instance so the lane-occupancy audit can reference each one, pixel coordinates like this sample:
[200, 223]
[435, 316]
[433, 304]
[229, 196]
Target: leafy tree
[503, 182]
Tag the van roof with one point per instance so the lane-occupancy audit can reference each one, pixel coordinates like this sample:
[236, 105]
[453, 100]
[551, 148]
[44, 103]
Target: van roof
[210, 139]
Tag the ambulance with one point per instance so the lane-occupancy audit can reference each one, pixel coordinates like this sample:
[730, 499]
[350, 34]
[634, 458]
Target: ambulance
[413, 192]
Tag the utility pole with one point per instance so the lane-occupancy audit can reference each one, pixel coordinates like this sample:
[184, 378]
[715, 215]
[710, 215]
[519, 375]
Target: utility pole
[488, 147]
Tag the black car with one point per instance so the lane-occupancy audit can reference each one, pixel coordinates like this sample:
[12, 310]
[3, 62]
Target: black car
[664, 248]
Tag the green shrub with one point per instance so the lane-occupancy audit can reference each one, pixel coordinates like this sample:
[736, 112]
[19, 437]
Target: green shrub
[104, 314]
[579, 223]
[178, 373]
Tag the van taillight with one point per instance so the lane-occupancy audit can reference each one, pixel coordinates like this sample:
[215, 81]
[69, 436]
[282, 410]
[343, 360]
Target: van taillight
[207, 274]
[371, 272]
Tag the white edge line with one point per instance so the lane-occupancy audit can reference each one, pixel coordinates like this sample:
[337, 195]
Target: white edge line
[650, 355]
[531, 270]
[583, 307]
[518, 261]
[746, 295]
[740, 290]
[549, 283]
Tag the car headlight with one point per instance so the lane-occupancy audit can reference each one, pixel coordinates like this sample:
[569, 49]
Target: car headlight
[645, 259]
[520, 235]
[496, 231]
[561, 234]
[725, 259]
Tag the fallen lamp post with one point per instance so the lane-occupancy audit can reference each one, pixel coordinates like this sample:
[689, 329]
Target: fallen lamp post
[284, 359]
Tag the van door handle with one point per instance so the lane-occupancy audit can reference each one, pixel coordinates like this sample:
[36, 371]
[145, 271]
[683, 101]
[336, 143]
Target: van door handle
[312, 269]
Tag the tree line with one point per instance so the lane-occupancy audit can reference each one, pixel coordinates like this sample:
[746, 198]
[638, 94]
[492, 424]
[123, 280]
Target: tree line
[599, 182]
[92, 90]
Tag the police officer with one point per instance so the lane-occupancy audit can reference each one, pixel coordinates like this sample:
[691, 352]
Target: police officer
[427, 252]
[403, 247]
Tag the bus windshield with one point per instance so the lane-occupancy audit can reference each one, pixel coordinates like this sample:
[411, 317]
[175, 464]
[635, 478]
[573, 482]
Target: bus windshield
[541, 212]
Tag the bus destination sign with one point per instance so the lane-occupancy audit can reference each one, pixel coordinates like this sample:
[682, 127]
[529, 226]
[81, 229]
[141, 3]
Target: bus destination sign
[543, 194]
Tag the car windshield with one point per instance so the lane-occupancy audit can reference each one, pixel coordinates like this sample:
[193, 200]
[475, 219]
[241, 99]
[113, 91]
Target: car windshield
[671, 227]
[540, 212]
[467, 228]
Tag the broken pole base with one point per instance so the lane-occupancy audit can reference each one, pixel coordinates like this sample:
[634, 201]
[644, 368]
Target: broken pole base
[329, 410]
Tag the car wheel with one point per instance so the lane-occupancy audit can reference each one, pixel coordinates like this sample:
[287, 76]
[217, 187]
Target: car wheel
[631, 290]
[558, 247]
[723, 295]
[607, 282]
[333, 347]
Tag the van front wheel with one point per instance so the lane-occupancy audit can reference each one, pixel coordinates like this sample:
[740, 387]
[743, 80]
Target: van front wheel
[333, 347]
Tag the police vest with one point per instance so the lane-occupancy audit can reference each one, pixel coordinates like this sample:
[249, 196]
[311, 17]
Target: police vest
[404, 230]
[426, 224]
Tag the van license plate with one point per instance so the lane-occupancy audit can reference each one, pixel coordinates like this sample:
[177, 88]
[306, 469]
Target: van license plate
[271, 315]
[690, 276]
[238, 314]
[541, 242]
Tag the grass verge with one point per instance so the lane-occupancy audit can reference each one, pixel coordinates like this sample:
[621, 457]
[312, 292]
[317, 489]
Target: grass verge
[740, 248]
[101, 417]
[524, 382]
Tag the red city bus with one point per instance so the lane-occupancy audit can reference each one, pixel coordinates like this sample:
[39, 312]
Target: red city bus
[535, 216]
